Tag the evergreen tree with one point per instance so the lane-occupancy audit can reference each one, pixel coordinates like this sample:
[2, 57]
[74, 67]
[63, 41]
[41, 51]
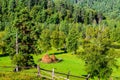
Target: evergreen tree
[26, 39]
[115, 34]
[99, 56]
[64, 27]
[12, 5]
[57, 39]
[72, 40]
[45, 40]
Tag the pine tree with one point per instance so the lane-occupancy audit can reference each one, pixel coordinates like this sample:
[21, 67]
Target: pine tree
[99, 56]
[26, 39]
[57, 39]
[45, 40]
[72, 40]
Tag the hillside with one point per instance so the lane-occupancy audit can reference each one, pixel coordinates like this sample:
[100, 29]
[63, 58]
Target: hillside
[87, 30]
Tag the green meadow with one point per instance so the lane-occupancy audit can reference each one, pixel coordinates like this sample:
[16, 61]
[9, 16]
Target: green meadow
[69, 62]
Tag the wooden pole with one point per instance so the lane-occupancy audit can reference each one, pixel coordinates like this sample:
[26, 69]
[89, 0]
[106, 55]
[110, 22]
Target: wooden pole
[38, 68]
[87, 78]
[16, 49]
[53, 73]
[68, 75]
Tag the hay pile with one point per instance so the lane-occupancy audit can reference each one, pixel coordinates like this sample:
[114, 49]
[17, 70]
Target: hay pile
[47, 59]
[53, 57]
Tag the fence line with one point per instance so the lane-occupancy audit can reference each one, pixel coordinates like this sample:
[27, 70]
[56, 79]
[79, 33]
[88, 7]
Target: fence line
[51, 73]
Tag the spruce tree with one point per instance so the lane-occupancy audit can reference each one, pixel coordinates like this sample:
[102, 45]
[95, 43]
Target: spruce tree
[98, 55]
[57, 39]
[45, 40]
[24, 27]
[72, 40]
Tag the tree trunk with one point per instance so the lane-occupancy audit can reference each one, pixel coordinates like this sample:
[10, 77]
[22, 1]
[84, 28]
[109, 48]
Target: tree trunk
[16, 49]
[98, 78]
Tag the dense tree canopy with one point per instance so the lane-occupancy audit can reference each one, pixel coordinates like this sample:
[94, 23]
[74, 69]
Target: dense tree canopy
[42, 25]
[98, 55]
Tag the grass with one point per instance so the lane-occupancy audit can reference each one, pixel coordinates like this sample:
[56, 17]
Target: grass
[17, 76]
[70, 63]
[116, 72]
[5, 61]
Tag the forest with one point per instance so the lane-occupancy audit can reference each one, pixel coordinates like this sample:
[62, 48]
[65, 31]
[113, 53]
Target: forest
[88, 29]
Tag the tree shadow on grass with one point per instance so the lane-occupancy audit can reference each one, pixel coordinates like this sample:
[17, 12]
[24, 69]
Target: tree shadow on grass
[45, 78]
[4, 55]
[57, 53]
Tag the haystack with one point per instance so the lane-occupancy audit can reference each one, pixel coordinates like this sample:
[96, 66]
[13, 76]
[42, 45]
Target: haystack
[46, 59]
[54, 59]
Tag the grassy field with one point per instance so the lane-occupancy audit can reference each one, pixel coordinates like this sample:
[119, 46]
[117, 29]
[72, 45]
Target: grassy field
[70, 63]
